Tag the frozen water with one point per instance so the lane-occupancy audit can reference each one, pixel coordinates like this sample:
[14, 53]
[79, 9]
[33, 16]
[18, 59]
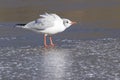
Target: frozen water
[73, 60]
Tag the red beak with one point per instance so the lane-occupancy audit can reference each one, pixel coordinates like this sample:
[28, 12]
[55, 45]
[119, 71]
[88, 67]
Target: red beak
[73, 23]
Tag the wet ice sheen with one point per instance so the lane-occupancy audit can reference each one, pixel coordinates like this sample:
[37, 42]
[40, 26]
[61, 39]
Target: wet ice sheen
[74, 60]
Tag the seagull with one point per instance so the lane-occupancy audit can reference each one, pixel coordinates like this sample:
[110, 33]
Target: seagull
[48, 24]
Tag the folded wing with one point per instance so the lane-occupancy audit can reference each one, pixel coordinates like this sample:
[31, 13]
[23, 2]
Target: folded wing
[46, 21]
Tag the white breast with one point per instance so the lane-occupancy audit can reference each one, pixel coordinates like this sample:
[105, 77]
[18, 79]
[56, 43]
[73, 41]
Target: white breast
[57, 28]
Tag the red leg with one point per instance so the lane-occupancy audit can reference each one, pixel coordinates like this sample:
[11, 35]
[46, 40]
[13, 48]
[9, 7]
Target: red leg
[45, 43]
[51, 42]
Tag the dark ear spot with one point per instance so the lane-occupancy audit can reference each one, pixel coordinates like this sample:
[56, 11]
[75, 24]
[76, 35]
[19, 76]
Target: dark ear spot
[67, 22]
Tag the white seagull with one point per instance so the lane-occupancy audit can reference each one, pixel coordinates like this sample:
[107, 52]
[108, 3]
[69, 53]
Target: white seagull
[48, 24]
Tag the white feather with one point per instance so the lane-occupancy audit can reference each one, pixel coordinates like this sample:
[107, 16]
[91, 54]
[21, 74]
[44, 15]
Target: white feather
[47, 24]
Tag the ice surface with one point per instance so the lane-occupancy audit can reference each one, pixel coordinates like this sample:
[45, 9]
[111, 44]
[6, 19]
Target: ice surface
[72, 60]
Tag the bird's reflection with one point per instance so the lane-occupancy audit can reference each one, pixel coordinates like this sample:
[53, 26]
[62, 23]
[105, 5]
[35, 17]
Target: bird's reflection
[55, 63]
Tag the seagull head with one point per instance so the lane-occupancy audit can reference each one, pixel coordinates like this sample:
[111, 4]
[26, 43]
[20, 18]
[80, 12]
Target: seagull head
[67, 23]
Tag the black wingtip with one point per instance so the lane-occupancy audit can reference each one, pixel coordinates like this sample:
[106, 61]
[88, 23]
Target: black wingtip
[20, 24]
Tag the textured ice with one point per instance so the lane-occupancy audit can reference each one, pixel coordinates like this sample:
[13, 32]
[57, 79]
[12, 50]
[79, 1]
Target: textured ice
[72, 60]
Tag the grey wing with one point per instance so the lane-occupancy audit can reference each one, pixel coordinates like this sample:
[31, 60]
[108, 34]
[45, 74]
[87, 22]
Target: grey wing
[46, 21]
[40, 24]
